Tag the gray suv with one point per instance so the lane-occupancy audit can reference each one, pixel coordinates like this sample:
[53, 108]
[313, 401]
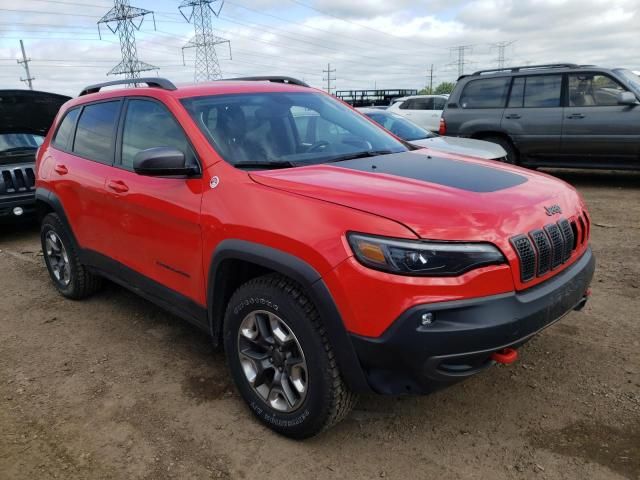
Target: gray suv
[558, 115]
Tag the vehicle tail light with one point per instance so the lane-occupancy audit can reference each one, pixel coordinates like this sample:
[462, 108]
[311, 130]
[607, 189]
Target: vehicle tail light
[443, 127]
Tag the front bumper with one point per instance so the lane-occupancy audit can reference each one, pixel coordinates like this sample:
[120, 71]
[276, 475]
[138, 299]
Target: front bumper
[414, 358]
[26, 202]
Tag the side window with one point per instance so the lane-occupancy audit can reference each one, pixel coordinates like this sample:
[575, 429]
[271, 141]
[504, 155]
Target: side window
[485, 93]
[592, 90]
[542, 91]
[96, 131]
[62, 139]
[439, 103]
[406, 105]
[516, 99]
[422, 104]
[148, 124]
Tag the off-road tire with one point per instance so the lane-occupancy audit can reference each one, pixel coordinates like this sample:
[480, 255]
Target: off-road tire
[82, 283]
[328, 400]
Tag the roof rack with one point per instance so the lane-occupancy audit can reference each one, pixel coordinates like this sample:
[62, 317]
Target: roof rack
[274, 79]
[526, 67]
[153, 82]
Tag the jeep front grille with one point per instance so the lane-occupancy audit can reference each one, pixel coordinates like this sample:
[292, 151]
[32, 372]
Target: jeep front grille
[545, 249]
[17, 180]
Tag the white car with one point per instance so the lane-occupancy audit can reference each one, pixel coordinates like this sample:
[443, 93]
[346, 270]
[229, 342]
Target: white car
[420, 137]
[423, 110]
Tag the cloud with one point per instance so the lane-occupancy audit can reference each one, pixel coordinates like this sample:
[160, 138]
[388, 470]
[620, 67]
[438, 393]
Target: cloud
[386, 44]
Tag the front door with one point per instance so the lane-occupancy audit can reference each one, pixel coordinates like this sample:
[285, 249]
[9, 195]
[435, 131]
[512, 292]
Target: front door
[156, 220]
[597, 131]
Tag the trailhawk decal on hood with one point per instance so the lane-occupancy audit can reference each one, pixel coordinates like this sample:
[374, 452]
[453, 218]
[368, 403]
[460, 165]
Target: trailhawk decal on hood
[443, 171]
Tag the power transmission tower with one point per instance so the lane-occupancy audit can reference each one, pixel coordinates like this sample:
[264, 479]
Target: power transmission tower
[25, 63]
[329, 78]
[125, 20]
[502, 47]
[461, 51]
[207, 66]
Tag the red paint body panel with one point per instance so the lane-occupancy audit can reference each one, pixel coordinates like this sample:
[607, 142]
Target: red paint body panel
[146, 222]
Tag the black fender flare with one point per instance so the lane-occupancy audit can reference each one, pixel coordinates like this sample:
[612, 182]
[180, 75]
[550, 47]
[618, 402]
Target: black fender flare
[53, 201]
[304, 274]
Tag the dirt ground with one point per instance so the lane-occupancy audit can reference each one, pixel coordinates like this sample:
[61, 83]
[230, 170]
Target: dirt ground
[113, 387]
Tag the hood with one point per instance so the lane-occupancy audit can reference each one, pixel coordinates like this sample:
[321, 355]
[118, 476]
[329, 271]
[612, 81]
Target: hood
[438, 197]
[463, 146]
[27, 111]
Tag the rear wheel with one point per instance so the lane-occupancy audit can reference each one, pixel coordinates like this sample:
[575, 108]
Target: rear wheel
[69, 276]
[513, 155]
[281, 360]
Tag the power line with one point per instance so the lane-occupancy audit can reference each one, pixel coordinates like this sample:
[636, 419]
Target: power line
[127, 20]
[25, 63]
[207, 66]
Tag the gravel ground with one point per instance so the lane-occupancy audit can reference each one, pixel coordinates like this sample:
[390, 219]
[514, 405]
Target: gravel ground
[113, 387]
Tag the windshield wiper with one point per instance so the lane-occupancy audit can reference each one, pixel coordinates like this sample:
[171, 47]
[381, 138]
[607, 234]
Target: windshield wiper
[9, 151]
[266, 164]
[353, 156]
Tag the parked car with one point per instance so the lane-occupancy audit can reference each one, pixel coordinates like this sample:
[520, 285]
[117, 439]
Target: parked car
[423, 110]
[25, 117]
[407, 130]
[325, 255]
[558, 115]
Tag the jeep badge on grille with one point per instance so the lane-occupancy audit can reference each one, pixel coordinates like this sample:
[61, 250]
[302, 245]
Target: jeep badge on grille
[553, 210]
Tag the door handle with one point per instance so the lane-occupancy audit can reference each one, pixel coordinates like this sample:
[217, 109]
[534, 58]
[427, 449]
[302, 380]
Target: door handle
[118, 186]
[575, 116]
[512, 116]
[61, 169]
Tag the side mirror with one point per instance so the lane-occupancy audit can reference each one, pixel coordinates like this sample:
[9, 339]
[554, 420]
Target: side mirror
[627, 98]
[162, 162]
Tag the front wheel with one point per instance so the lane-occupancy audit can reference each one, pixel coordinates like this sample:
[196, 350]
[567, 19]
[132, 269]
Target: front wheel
[281, 360]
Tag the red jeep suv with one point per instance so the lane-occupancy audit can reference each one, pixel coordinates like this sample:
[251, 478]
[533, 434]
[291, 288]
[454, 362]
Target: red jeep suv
[328, 257]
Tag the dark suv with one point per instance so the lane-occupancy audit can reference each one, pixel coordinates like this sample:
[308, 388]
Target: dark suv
[558, 115]
[25, 118]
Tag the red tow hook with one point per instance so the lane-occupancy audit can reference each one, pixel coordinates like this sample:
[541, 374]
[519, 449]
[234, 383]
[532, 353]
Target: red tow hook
[505, 356]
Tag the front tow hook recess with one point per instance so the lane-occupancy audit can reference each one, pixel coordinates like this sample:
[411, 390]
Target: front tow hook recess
[506, 356]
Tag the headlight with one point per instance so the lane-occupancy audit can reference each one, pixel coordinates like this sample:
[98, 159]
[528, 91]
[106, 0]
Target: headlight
[422, 258]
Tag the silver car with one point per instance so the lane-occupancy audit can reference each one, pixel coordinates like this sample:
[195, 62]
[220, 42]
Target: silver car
[420, 137]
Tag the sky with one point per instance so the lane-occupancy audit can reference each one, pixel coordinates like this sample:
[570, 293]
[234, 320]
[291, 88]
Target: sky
[369, 43]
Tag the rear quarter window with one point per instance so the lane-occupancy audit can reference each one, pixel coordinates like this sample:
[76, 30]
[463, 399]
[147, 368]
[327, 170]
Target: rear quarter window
[485, 93]
[62, 138]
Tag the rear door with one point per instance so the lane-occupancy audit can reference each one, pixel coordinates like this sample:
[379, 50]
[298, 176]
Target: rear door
[420, 112]
[533, 117]
[598, 131]
[155, 220]
[78, 162]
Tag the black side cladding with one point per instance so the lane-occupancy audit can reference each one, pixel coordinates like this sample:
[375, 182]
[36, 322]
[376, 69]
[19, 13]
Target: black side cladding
[443, 171]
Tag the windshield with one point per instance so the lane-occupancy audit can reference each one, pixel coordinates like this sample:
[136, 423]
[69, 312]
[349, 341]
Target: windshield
[277, 129]
[632, 79]
[19, 141]
[400, 126]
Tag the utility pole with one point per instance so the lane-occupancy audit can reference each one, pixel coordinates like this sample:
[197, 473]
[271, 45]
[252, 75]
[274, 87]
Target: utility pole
[431, 80]
[502, 47]
[25, 63]
[125, 20]
[461, 52]
[329, 78]
[207, 66]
